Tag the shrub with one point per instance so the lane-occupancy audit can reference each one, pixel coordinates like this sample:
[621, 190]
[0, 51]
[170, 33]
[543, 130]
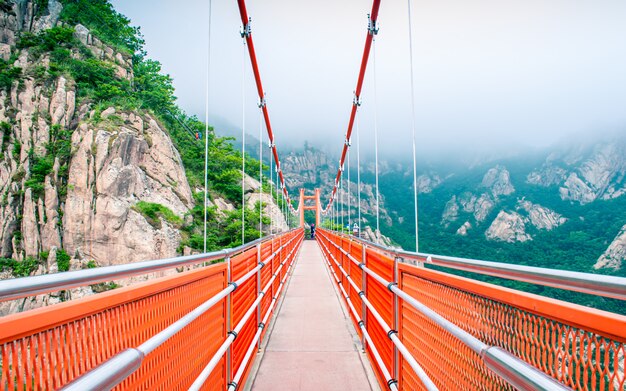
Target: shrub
[152, 212]
[19, 269]
[63, 261]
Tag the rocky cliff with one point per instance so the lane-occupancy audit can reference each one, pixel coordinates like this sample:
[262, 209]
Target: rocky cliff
[585, 174]
[85, 182]
[496, 183]
[615, 255]
[311, 168]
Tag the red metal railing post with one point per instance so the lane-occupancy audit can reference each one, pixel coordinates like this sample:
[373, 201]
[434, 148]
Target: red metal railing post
[364, 289]
[229, 326]
[259, 288]
[396, 353]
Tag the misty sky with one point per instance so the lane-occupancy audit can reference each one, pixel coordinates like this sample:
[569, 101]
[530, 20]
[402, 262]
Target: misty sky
[487, 72]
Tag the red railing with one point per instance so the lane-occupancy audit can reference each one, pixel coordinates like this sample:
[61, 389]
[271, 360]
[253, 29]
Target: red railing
[49, 347]
[580, 347]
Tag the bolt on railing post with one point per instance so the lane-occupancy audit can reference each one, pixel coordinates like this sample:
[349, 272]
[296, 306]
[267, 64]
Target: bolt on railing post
[229, 328]
[364, 289]
[396, 323]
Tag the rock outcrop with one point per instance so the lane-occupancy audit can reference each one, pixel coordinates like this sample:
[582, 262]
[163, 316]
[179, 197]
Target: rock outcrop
[547, 175]
[511, 226]
[615, 255]
[464, 228]
[540, 216]
[312, 168]
[426, 183]
[498, 181]
[79, 180]
[586, 174]
[113, 168]
[508, 227]
[376, 237]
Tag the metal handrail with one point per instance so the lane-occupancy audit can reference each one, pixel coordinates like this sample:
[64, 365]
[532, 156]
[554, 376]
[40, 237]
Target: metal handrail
[391, 382]
[593, 284]
[515, 371]
[208, 369]
[392, 334]
[113, 371]
[16, 288]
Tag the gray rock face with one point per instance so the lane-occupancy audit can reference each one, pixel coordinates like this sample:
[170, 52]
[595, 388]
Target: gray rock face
[511, 226]
[450, 212]
[270, 209]
[314, 168]
[592, 174]
[376, 237]
[508, 227]
[541, 217]
[615, 254]
[427, 183]
[498, 181]
[548, 175]
[464, 228]
[110, 172]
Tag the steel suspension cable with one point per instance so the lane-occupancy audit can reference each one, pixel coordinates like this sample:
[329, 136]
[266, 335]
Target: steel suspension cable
[341, 199]
[358, 170]
[247, 36]
[371, 31]
[413, 127]
[243, 144]
[376, 141]
[271, 195]
[206, 129]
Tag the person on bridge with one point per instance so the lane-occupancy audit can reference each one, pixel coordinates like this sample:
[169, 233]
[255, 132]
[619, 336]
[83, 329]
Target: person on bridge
[355, 230]
[312, 231]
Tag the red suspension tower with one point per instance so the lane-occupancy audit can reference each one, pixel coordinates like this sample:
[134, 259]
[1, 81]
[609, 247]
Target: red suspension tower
[315, 206]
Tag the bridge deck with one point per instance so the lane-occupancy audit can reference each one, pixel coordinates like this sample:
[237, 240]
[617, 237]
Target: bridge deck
[312, 345]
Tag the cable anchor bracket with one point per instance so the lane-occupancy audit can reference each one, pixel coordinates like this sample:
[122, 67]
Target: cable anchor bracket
[372, 25]
[246, 30]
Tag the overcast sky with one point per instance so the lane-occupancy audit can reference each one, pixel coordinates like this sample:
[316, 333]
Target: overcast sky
[488, 73]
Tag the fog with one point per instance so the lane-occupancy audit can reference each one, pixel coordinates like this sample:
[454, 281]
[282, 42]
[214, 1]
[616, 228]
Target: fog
[489, 74]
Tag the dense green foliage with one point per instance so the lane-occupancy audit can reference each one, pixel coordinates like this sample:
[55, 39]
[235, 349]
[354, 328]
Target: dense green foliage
[104, 22]
[63, 261]
[8, 74]
[19, 269]
[575, 245]
[98, 82]
[155, 212]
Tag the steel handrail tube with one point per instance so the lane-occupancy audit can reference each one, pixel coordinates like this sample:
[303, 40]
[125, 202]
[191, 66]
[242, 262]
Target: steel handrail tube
[116, 374]
[593, 284]
[419, 371]
[379, 361]
[519, 374]
[16, 288]
[208, 369]
[505, 364]
[110, 373]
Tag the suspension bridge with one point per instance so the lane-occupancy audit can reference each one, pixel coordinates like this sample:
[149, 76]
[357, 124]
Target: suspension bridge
[337, 312]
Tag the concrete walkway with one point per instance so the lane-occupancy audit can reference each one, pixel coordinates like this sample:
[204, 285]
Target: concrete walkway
[312, 346]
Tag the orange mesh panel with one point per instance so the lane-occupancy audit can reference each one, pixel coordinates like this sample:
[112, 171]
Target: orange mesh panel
[587, 354]
[48, 347]
[382, 299]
